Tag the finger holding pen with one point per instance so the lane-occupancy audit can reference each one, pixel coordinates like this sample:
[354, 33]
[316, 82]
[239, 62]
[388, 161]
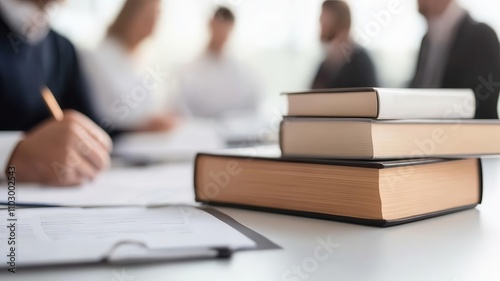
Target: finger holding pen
[62, 152]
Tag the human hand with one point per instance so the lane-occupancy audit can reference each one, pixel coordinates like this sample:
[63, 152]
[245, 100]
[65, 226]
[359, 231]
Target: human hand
[160, 123]
[62, 153]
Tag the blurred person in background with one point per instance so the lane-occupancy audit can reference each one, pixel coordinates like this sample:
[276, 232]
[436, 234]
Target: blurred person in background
[215, 85]
[346, 64]
[458, 52]
[123, 93]
[34, 146]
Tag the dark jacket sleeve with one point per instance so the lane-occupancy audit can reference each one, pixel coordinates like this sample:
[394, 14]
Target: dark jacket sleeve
[320, 80]
[484, 77]
[413, 83]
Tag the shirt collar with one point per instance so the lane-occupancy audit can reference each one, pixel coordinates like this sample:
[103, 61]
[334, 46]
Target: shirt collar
[26, 19]
[443, 25]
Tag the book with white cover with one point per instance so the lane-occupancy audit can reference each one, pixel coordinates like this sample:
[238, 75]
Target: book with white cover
[384, 103]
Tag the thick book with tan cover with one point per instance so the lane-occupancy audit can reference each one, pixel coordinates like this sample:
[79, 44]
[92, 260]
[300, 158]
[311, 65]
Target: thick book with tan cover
[380, 193]
[388, 139]
[384, 103]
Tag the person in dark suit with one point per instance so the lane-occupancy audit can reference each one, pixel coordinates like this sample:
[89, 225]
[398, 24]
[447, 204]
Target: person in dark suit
[458, 52]
[39, 148]
[347, 64]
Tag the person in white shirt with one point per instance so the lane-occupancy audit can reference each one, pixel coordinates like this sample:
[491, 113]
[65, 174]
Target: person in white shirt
[215, 85]
[34, 147]
[122, 90]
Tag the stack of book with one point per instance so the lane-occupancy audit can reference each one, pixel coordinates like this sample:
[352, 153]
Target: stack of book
[372, 156]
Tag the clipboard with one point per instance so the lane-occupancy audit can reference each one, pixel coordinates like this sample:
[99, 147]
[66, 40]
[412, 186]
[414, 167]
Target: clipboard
[131, 250]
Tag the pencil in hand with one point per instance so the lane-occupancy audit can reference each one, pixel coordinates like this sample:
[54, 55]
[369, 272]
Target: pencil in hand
[52, 104]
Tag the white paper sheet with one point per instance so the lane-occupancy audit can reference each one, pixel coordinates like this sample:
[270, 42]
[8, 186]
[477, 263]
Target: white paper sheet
[120, 186]
[181, 144]
[69, 235]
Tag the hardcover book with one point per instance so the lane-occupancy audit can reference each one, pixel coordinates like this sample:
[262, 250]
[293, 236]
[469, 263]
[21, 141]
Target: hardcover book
[383, 103]
[379, 193]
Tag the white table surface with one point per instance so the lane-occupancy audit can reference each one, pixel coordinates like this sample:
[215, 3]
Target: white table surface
[457, 247]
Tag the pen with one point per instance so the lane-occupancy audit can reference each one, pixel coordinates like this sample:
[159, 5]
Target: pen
[52, 104]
